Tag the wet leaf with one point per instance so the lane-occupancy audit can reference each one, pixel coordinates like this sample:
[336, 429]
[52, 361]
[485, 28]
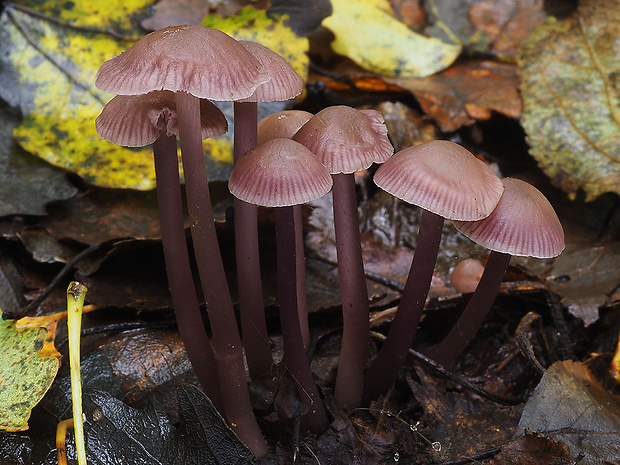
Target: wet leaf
[117, 433]
[467, 92]
[25, 375]
[585, 277]
[48, 69]
[532, 449]
[100, 216]
[570, 80]
[368, 33]
[27, 184]
[571, 406]
[506, 23]
[272, 31]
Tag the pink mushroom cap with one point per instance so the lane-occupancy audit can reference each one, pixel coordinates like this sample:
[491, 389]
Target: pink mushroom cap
[443, 178]
[138, 120]
[524, 223]
[279, 173]
[345, 139]
[204, 62]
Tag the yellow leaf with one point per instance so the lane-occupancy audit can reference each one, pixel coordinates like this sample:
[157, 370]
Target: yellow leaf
[270, 31]
[367, 32]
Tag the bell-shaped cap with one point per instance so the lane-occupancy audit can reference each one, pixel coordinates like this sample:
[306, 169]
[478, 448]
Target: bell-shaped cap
[204, 62]
[523, 223]
[138, 120]
[345, 139]
[443, 178]
[283, 84]
[283, 124]
[279, 173]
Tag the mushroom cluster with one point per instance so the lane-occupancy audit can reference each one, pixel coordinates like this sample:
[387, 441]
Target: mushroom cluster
[164, 84]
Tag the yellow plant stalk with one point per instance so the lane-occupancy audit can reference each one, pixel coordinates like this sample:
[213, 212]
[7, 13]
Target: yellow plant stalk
[75, 301]
[615, 364]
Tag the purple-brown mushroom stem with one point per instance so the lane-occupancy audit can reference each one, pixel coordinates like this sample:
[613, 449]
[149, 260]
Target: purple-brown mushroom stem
[475, 311]
[227, 342]
[384, 369]
[355, 307]
[178, 270]
[296, 360]
[250, 288]
[523, 223]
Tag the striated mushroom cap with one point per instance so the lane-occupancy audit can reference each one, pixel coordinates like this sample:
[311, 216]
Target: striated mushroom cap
[524, 223]
[345, 139]
[443, 178]
[138, 120]
[283, 124]
[279, 173]
[204, 62]
[283, 84]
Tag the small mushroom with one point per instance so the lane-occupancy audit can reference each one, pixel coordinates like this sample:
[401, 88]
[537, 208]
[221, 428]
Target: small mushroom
[139, 120]
[466, 275]
[523, 223]
[346, 140]
[284, 124]
[283, 84]
[199, 62]
[282, 173]
[446, 181]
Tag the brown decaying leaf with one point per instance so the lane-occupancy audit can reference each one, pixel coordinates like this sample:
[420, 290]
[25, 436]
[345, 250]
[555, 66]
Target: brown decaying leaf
[467, 92]
[100, 216]
[507, 22]
[532, 449]
[570, 405]
[464, 424]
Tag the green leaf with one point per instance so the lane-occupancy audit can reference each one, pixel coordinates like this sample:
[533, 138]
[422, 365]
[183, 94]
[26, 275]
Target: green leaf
[570, 76]
[25, 376]
[367, 32]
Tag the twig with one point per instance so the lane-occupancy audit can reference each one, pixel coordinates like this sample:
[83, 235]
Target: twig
[458, 379]
[61, 275]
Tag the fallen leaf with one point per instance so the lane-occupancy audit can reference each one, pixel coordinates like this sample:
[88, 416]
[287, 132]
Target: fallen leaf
[25, 375]
[117, 433]
[507, 23]
[571, 406]
[27, 183]
[498, 27]
[464, 424]
[532, 449]
[585, 277]
[569, 71]
[272, 31]
[48, 70]
[368, 33]
[467, 92]
[100, 216]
